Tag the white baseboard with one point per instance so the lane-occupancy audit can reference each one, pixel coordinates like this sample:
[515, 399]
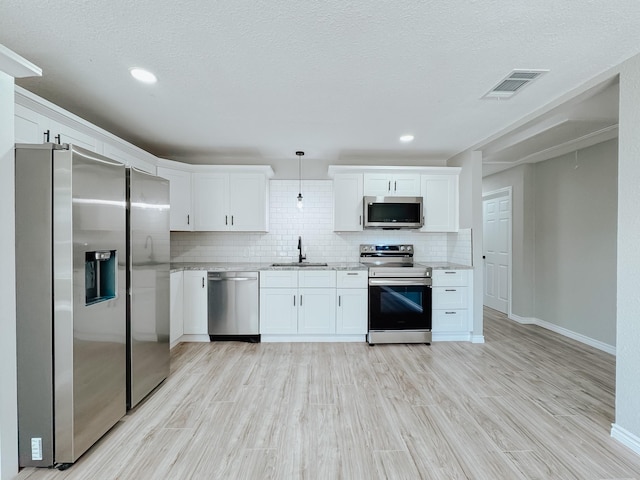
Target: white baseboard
[625, 437]
[451, 337]
[477, 338]
[523, 320]
[265, 338]
[605, 347]
[194, 338]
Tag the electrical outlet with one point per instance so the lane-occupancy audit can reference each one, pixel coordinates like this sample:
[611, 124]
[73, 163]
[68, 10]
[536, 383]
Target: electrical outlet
[36, 449]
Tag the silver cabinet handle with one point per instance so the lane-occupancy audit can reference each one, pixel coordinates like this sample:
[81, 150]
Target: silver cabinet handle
[352, 273]
[339, 300]
[300, 300]
[231, 219]
[450, 290]
[202, 282]
[389, 187]
[188, 220]
[294, 300]
[395, 186]
[360, 220]
[449, 313]
[450, 273]
[225, 220]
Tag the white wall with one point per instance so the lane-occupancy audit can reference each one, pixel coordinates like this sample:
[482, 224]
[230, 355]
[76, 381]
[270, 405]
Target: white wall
[471, 219]
[315, 224]
[8, 406]
[575, 241]
[627, 423]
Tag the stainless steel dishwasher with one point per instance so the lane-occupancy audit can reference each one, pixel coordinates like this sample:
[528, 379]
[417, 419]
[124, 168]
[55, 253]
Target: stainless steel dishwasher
[233, 306]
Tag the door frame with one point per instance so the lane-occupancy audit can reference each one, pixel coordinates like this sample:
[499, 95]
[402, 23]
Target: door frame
[499, 193]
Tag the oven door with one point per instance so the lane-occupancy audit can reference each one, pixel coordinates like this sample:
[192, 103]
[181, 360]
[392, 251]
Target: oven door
[399, 304]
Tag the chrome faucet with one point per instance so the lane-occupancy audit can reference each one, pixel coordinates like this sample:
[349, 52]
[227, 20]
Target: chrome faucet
[300, 256]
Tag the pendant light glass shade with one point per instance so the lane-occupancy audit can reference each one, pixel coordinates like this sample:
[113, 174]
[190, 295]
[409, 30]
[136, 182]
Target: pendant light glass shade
[299, 197]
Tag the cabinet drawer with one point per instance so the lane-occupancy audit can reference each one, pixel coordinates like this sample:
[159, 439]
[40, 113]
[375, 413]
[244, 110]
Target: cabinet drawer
[450, 278]
[352, 279]
[317, 278]
[279, 279]
[450, 297]
[450, 321]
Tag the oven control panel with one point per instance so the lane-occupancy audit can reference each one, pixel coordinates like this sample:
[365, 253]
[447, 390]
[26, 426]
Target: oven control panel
[406, 249]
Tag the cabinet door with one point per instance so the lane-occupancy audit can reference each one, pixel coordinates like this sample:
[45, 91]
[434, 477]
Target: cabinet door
[450, 321]
[72, 135]
[278, 310]
[352, 313]
[127, 158]
[406, 185]
[450, 297]
[180, 198]
[347, 202]
[176, 307]
[195, 302]
[248, 202]
[210, 201]
[317, 311]
[29, 126]
[440, 197]
[378, 184]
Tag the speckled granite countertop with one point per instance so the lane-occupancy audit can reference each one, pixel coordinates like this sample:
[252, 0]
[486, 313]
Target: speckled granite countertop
[254, 267]
[446, 266]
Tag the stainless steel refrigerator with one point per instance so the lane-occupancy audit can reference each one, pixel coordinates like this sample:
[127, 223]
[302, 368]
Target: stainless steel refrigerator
[148, 283]
[71, 300]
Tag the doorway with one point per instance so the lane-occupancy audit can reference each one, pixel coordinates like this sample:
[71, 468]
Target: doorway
[496, 220]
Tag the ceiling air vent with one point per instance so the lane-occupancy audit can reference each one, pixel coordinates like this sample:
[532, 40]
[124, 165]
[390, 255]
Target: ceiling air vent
[513, 83]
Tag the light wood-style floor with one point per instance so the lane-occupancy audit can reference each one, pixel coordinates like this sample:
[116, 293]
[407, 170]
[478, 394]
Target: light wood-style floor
[527, 404]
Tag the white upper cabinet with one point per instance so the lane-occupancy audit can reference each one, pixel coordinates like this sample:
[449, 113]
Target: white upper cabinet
[210, 199]
[392, 184]
[347, 202]
[124, 156]
[230, 202]
[248, 202]
[180, 217]
[217, 198]
[38, 120]
[440, 202]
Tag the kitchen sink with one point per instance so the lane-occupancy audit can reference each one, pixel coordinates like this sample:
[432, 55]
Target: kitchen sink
[299, 264]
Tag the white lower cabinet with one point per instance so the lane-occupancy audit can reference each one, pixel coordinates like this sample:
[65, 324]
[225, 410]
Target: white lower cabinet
[317, 310]
[352, 307]
[176, 306]
[450, 317]
[278, 310]
[195, 302]
[303, 305]
[297, 301]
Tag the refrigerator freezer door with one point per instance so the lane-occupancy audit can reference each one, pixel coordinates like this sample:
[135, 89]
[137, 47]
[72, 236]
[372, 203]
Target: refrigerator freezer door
[148, 295]
[89, 338]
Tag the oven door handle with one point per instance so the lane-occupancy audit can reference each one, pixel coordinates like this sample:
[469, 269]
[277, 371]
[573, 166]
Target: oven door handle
[399, 282]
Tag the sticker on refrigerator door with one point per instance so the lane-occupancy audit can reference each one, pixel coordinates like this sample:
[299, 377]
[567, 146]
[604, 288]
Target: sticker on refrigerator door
[36, 449]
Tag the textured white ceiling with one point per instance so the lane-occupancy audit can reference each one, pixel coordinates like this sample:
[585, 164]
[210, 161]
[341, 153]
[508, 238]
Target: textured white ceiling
[259, 79]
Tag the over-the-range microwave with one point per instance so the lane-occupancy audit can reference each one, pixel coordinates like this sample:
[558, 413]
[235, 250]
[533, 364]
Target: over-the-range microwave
[392, 213]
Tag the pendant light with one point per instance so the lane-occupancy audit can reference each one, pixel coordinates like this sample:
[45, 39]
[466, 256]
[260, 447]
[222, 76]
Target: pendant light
[299, 154]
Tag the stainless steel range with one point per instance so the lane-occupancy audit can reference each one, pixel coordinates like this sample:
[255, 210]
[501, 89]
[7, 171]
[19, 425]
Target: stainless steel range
[399, 295]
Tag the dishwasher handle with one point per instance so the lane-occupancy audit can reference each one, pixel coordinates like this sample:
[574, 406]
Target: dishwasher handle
[232, 276]
[230, 279]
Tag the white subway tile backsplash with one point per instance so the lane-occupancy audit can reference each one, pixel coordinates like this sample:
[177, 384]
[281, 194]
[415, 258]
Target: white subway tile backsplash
[315, 224]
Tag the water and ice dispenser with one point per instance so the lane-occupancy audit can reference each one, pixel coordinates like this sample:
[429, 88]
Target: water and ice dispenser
[100, 274]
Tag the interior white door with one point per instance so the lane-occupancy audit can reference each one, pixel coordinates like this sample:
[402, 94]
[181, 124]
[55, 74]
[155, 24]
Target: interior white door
[497, 250]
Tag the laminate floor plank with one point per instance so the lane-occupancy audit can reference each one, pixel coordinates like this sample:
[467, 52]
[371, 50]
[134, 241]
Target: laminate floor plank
[527, 404]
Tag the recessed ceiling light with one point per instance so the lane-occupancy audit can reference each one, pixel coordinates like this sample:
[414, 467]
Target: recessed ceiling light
[143, 75]
[406, 138]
